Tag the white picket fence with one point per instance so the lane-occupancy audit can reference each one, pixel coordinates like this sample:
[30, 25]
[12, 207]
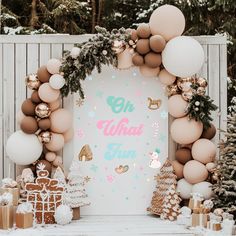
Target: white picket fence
[21, 55]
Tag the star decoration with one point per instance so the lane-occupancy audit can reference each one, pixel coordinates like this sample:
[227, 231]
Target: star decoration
[79, 102]
[87, 179]
[164, 114]
[94, 168]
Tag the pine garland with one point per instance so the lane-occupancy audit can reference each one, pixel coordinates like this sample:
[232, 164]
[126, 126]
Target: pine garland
[94, 53]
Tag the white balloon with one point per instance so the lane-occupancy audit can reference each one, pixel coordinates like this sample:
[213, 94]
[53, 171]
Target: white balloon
[203, 188]
[23, 149]
[184, 188]
[56, 81]
[53, 66]
[75, 52]
[183, 56]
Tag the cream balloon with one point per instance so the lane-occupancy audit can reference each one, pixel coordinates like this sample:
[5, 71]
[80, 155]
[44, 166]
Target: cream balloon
[56, 143]
[177, 106]
[195, 172]
[22, 148]
[125, 59]
[53, 66]
[204, 150]
[166, 78]
[58, 161]
[56, 81]
[167, 21]
[178, 59]
[184, 189]
[149, 72]
[47, 93]
[185, 131]
[204, 188]
[61, 120]
[68, 135]
[55, 105]
[50, 156]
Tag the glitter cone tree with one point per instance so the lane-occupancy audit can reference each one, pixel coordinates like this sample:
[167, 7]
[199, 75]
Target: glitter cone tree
[164, 180]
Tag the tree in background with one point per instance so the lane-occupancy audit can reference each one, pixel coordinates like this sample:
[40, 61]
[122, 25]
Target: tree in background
[225, 187]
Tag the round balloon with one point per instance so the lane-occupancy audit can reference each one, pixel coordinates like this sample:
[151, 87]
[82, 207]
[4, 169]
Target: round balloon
[22, 148]
[68, 135]
[56, 143]
[177, 106]
[35, 97]
[124, 59]
[178, 169]
[149, 72]
[152, 59]
[142, 46]
[157, 43]
[143, 31]
[58, 161]
[50, 156]
[53, 66]
[47, 93]
[184, 189]
[28, 107]
[44, 124]
[195, 172]
[183, 155]
[56, 120]
[167, 21]
[56, 81]
[166, 78]
[185, 131]
[20, 116]
[43, 74]
[29, 125]
[137, 60]
[204, 150]
[177, 57]
[209, 133]
[211, 166]
[204, 188]
[55, 105]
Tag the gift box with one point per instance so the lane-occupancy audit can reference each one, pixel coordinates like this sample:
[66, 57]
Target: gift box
[195, 201]
[184, 220]
[76, 213]
[6, 217]
[215, 226]
[199, 220]
[15, 194]
[24, 220]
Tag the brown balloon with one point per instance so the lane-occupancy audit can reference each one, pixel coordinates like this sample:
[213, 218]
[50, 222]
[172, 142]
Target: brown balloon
[44, 124]
[183, 155]
[142, 46]
[157, 43]
[35, 97]
[137, 60]
[28, 107]
[178, 169]
[152, 59]
[209, 133]
[42, 110]
[45, 136]
[47, 164]
[43, 74]
[32, 81]
[143, 31]
[29, 125]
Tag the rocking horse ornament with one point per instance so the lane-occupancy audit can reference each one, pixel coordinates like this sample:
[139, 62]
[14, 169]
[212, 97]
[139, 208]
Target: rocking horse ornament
[154, 104]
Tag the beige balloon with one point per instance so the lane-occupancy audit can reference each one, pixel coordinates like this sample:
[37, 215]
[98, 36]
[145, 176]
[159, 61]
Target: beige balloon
[167, 21]
[125, 59]
[56, 143]
[58, 161]
[50, 156]
[178, 169]
[166, 78]
[177, 106]
[204, 150]
[149, 72]
[195, 172]
[47, 93]
[55, 105]
[68, 135]
[185, 131]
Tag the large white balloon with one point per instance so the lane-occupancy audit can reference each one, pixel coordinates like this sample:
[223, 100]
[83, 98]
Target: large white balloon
[203, 188]
[56, 81]
[184, 189]
[53, 66]
[23, 149]
[183, 56]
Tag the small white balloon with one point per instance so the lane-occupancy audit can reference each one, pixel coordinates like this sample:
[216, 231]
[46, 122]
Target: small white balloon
[53, 66]
[23, 149]
[75, 52]
[56, 81]
[183, 56]
[203, 188]
[184, 189]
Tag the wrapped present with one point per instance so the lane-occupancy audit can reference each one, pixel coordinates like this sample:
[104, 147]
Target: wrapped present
[6, 211]
[199, 220]
[76, 213]
[185, 216]
[9, 185]
[195, 201]
[24, 215]
[214, 223]
[228, 224]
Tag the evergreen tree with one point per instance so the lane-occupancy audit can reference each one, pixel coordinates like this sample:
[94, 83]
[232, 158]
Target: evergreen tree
[75, 195]
[60, 176]
[225, 187]
[165, 179]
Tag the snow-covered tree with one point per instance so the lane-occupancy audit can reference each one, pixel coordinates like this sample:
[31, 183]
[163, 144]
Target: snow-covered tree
[75, 189]
[60, 176]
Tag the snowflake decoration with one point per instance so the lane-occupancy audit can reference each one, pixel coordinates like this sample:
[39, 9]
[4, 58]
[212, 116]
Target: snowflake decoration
[164, 114]
[80, 133]
[87, 179]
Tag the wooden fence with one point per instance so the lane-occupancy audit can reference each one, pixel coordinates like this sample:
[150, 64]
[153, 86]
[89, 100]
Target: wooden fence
[21, 55]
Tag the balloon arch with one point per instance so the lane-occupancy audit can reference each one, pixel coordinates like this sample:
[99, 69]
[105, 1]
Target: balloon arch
[159, 50]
